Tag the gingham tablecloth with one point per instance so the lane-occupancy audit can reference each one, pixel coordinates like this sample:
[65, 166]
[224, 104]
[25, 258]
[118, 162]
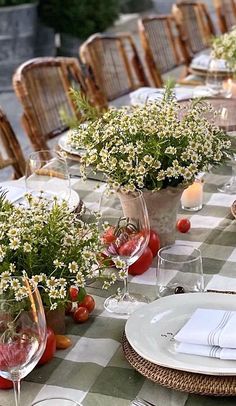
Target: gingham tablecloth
[94, 370]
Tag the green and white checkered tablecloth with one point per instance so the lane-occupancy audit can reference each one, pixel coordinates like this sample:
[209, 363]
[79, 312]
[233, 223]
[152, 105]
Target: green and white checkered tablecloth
[94, 370]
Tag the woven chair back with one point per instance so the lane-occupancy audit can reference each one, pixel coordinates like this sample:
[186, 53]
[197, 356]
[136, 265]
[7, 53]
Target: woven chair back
[10, 150]
[114, 63]
[226, 14]
[42, 86]
[195, 25]
[161, 44]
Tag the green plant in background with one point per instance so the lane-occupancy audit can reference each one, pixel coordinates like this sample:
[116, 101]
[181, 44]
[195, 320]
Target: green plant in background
[134, 6]
[5, 3]
[79, 18]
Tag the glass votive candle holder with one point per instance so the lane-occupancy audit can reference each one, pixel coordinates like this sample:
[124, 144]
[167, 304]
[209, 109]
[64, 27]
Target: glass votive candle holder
[192, 197]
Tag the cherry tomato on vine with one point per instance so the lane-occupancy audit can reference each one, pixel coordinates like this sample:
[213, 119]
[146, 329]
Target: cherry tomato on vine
[73, 291]
[142, 264]
[88, 302]
[81, 314]
[127, 248]
[154, 243]
[109, 236]
[50, 348]
[183, 225]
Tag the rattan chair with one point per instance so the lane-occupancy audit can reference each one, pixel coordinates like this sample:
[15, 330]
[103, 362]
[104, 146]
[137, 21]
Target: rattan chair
[226, 14]
[114, 63]
[195, 25]
[42, 86]
[162, 46]
[10, 150]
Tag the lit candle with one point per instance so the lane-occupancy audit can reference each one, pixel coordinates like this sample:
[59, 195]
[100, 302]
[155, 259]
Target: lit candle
[230, 86]
[191, 198]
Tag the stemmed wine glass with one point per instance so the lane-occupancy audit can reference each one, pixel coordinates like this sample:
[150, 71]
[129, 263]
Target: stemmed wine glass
[125, 234]
[47, 174]
[22, 329]
[226, 119]
[217, 75]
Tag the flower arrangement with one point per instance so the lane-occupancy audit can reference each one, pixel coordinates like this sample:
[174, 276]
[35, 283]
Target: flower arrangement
[153, 146]
[54, 247]
[224, 47]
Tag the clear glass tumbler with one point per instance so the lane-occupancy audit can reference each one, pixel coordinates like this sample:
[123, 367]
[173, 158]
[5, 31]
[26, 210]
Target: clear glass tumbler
[179, 270]
[54, 401]
[47, 175]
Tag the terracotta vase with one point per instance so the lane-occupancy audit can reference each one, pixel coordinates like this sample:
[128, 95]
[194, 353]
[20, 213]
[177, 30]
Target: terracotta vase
[56, 320]
[162, 208]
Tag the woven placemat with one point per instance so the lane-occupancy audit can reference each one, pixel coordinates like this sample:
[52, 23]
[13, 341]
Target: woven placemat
[180, 380]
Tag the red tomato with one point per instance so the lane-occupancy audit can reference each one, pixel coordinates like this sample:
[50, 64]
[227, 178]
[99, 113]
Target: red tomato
[142, 264]
[88, 302]
[183, 225]
[73, 291]
[127, 248]
[81, 314]
[5, 383]
[154, 242]
[109, 236]
[50, 348]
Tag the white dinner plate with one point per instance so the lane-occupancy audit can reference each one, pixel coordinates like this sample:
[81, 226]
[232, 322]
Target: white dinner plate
[150, 331]
[16, 190]
[201, 63]
[65, 146]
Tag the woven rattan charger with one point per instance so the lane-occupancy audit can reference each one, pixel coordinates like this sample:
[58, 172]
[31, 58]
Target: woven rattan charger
[201, 384]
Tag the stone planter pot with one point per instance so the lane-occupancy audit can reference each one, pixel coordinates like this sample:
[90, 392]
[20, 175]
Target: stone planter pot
[17, 39]
[69, 46]
[56, 320]
[162, 209]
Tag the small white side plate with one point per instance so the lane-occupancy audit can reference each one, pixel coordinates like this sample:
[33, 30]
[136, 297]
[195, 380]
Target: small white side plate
[15, 193]
[63, 144]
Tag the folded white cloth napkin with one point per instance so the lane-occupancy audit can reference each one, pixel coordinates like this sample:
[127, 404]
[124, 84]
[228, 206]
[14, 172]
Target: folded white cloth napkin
[210, 327]
[200, 61]
[222, 284]
[145, 94]
[13, 193]
[211, 351]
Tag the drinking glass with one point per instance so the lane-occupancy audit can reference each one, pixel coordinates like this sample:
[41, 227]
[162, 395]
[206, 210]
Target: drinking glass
[125, 236]
[47, 174]
[226, 120]
[217, 75]
[22, 329]
[56, 402]
[179, 270]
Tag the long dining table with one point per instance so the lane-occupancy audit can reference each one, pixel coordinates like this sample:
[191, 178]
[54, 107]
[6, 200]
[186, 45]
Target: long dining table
[94, 370]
